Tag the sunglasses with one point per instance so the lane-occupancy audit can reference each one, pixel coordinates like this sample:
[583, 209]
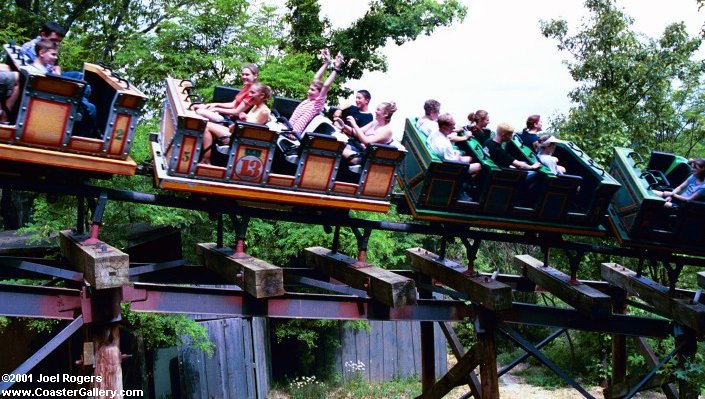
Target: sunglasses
[696, 165]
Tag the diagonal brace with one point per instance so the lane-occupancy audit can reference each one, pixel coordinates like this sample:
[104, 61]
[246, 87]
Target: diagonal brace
[457, 375]
[45, 350]
[653, 371]
[458, 351]
[526, 354]
[155, 267]
[42, 269]
[527, 346]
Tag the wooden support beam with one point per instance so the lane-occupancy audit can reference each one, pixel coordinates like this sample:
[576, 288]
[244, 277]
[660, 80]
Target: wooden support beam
[457, 375]
[489, 380]
[682, 310]
[619, 343]
[582, 297]
[102, 265]
[701, 279]
[256, 277]
[482, 290]
[380, 284]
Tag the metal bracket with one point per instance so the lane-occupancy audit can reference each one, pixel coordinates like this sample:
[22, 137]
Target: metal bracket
[336, 239]
[219, 232]
[574, 260]
[673, 275]
[97, 220]
[363, 239]
[471, 250]
[241, 225]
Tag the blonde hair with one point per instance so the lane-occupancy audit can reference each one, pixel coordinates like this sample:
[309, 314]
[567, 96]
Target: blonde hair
[389, 109]
[317, 84]
[505, 127]
[263, 88]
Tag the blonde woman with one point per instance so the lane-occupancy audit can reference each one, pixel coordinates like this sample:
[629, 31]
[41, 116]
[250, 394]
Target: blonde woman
[259, 93]
[377, 131]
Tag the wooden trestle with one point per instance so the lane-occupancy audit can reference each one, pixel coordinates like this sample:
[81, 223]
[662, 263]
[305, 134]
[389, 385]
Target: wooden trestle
[106, 270]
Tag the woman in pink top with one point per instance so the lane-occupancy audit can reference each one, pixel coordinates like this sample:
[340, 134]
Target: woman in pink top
[218, 112]
[316, 95]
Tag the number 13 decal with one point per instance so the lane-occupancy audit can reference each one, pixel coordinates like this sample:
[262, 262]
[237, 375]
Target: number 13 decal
[249, 168]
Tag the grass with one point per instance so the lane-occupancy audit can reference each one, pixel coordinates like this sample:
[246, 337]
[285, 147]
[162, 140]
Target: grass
[355, 388]
[394, 389]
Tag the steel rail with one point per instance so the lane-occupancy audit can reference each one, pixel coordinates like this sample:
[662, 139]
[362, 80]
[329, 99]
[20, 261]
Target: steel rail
[329, 217]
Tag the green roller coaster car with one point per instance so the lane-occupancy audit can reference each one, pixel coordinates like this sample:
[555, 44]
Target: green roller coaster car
[573, 203]
[639, 217]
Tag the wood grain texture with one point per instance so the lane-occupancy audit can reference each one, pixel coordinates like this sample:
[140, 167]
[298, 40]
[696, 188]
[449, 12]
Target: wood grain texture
[102, 265]
[681, 309]
[387, 287]
[256, 277]
[481, 290]
[582, 297]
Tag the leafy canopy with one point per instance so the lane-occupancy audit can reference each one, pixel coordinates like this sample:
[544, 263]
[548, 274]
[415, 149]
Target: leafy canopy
[633, 90]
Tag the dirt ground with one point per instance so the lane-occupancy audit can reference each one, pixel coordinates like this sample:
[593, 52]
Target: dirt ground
[512, 386]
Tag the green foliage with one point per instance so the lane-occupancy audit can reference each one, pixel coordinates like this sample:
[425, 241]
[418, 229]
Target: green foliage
[4, 322]
[42, 325]
[396, 388]
[634, 91]
[308, 332]
[690, 370]
[160, 330]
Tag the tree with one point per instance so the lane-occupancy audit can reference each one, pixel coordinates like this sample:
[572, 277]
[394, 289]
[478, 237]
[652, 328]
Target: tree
[398, 21]
[207, 41]
[633, 91]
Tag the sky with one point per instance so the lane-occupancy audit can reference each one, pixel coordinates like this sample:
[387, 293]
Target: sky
[496, 60]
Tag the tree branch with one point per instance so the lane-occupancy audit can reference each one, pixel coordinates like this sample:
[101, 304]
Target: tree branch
[162, 17]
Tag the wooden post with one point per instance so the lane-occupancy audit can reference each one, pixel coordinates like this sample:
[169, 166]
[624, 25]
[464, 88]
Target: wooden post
[104, 268]
[108, 360]
[489, 380]
[687, 389]
[428, 358]
[619, 343]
